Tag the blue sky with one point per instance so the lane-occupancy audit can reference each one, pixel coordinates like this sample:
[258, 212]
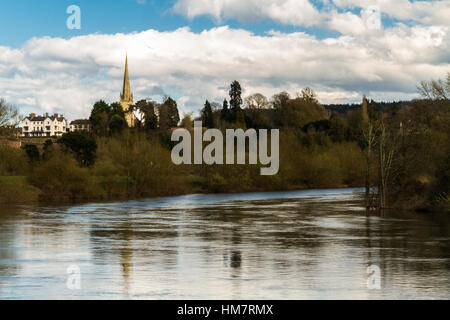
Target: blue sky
[192, 50]
[32, 18]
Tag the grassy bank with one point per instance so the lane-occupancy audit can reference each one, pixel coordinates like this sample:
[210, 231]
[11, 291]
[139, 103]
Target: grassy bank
[17, 190]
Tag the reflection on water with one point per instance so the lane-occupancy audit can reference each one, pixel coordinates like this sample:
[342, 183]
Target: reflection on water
[290, 245]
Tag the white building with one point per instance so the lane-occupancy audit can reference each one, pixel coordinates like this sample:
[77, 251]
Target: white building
[80, 125]
[44, 126]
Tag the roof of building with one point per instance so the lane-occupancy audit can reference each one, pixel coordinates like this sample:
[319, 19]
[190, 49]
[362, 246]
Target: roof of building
[80, 121]
[41, 118]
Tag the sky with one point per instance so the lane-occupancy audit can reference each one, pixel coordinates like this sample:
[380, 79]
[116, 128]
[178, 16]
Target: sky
[193, 49]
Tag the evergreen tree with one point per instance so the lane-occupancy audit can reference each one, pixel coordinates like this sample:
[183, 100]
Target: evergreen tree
[163, 118]
[207, 116]
[235, 98]
[225, 113]
[172, 117]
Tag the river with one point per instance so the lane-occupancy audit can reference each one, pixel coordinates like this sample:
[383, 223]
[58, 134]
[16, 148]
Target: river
[315, 244]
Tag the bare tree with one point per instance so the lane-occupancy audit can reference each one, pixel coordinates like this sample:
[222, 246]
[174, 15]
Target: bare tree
[280, 100]
[308, 95]
[435, 89]
[387, 143]
[9, 118]
[257, 101]
[370, 138]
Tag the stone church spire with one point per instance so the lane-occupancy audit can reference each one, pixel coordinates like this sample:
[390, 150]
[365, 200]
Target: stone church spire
[126, 97]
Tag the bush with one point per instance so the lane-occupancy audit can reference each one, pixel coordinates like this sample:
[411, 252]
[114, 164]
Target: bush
[32, 152]
[13, 162]
[60, 178]
[82, 146]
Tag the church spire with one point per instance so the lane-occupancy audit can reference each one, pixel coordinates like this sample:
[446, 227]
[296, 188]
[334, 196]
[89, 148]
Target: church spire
[126, 92]
[126, 97]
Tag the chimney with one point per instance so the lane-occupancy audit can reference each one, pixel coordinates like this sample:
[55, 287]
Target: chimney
[46, 114]
[32, 115]
[55, 115]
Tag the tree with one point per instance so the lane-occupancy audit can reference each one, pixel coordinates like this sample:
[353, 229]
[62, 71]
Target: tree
[100, 107]
[370, 131]
[117, 109]
[309, 95]
[83, 147]
[147, 110]
[298, 112]
[164, 121]
[9, 118]
[171, 115]
[187, 121]
[257, 101]
[117, 124]
[280, 100]
[100, 117]
[225, 112]
[235, 98]
[103, 114]
[386, 153]
[435, 89]
[207, 115]
[32, 152]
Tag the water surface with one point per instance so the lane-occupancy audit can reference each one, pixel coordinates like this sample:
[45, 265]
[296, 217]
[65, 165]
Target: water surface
[313, 244]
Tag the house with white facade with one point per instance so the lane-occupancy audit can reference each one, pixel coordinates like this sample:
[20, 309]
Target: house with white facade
[80, 125]
[44, 126]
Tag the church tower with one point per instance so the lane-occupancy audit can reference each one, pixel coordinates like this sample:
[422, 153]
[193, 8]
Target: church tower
[126, 97]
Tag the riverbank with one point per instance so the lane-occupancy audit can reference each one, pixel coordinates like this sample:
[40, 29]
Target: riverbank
[18, 190]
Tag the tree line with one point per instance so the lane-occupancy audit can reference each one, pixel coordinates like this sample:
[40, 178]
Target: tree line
[400, 152]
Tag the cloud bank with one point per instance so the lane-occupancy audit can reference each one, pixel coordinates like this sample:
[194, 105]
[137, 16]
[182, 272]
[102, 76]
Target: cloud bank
[306, 13]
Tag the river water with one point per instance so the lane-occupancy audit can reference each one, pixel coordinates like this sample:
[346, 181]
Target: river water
[315, 244]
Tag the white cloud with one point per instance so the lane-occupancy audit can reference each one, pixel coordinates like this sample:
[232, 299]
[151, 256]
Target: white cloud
[68, 75]
[334, 15]
[429, 12]
[294, 12]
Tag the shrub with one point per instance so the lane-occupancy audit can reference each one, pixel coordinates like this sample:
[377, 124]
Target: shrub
[13, 162]
[82, 146]
[60, 178]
